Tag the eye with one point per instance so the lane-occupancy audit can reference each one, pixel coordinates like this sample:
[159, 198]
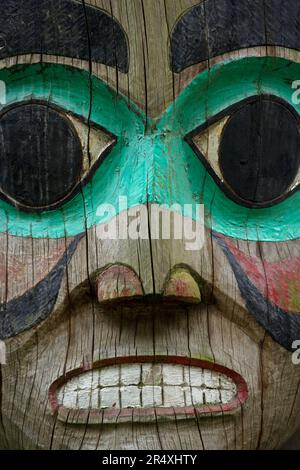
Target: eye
[45, 154]
[252, 150]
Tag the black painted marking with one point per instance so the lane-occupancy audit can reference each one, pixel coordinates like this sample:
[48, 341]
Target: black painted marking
[36, 304]
[284, 327]
[230, 111]
[259, 152]
[40, 155]
[214, 27]
[62, 27]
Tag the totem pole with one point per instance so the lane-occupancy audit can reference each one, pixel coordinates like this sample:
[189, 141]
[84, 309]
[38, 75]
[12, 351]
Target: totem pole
[117, 337]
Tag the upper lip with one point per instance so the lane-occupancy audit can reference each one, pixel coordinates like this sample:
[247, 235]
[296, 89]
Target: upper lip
[93, 416]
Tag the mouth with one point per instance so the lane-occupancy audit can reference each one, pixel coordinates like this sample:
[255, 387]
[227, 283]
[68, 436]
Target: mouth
[145, 389]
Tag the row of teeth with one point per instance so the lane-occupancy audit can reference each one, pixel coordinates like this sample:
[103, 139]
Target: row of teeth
[146, 385]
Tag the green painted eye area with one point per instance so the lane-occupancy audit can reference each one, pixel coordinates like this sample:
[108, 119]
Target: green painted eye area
[120, 158]
[252, 150]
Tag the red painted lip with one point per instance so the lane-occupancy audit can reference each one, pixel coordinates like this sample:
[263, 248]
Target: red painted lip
[109, 415]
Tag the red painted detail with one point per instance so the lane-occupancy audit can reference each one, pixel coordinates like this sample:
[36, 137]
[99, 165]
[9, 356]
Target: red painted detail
[182, 286]
[118, 282]
[14, 268]
[278, 282]
[113, 414]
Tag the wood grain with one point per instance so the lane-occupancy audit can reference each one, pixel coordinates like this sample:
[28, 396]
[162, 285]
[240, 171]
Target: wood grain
[79, 331]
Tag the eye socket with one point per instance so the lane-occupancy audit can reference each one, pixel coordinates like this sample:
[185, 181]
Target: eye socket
[45, 154]
[252, 150]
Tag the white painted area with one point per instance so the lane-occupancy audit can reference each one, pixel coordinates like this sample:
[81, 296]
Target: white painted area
[211, 379]
[110, 397]
[194, 376]
[225, 382]
[151, 396]
[172, 374]
[108, 376]
[83, 399]
[130, 397]
[146, 386]
[226, 396]
[211, 396]
[2, 350]
[173, 396]
[197, 396]
[130, 374]
[151, 374]
[95, 399]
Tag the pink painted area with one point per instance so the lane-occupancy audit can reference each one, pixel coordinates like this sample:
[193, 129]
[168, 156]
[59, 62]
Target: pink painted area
[181, 288]
[143, 414]
[20, 271]
[279, 282]
[118, 282]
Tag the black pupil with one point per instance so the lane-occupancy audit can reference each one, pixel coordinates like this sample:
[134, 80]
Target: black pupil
[260, 151]
[40, 155]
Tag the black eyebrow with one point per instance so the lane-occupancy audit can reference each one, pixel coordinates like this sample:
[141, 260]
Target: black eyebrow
[212, 28]
[62, 27]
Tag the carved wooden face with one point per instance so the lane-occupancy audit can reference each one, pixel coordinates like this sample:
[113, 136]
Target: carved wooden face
[141, 342]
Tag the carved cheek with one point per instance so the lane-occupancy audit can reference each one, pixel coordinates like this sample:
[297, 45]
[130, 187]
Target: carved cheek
[24, 262]
[278, 281]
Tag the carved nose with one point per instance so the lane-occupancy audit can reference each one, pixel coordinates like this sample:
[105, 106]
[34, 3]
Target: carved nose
[182, 286]
[118, 282]
[121, 283]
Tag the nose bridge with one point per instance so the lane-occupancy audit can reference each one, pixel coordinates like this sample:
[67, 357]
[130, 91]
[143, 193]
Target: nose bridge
[156, 159]
[154, 265]
[167, 168]
[150, 168]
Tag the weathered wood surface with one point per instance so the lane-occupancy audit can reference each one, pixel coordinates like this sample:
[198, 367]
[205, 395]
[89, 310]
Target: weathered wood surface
[112, 297]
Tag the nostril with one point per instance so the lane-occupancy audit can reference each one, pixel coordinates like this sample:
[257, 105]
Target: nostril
[118, 282]
[182, 286]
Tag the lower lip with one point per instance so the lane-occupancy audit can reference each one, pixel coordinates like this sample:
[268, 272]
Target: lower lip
[143, 414]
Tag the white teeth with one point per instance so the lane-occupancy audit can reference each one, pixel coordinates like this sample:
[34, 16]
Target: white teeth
[212, 396]
[211, 379]
[171, 374]
[151, 396]
[151, 374]
[94, 399]
[130, 397]
[110, 397]
[131, 374]
[194, 376]
[84, 399]
[197, 396]
[109, 376]
[173, 396]
[145, 386]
